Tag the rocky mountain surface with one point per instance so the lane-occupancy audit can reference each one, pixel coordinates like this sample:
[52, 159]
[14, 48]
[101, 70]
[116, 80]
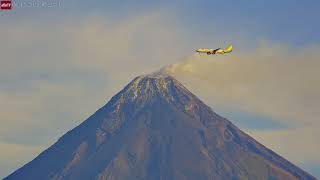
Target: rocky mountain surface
[155, 129]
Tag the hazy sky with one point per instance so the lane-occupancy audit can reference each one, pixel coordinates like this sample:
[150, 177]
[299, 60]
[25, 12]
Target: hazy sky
[60, 64]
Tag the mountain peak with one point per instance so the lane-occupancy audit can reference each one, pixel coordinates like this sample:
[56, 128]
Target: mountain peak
[152, 87]
[159, 81]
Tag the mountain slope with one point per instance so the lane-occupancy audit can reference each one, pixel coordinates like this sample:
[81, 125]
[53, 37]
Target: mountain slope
[156, 129]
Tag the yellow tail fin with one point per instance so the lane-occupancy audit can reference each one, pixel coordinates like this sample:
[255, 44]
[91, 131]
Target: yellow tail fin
[229, 49]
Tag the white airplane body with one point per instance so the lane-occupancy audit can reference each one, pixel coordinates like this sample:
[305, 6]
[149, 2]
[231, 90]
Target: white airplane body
[215, 51]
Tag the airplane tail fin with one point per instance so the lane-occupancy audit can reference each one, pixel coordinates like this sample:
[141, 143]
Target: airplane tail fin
[229, 48]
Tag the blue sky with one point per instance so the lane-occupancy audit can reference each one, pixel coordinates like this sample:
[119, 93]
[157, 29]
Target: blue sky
[60, 64]
[291, 21]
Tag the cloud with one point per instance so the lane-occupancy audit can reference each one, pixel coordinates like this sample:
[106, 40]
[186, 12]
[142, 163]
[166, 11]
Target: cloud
[95, 43]
[273, 81]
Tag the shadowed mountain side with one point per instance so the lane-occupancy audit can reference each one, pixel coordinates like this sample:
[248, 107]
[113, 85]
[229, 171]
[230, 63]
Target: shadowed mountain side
[156, 129]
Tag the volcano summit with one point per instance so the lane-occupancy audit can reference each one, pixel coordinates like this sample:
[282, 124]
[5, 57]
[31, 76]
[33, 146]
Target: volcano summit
[156, 129]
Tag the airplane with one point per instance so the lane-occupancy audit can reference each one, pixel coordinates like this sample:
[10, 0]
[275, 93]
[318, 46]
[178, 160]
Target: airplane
[216, 51]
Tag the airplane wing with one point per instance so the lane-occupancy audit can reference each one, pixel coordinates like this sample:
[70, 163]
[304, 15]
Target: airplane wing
[215, 51]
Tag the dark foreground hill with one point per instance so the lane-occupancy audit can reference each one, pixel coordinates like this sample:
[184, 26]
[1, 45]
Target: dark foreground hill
[155, 129]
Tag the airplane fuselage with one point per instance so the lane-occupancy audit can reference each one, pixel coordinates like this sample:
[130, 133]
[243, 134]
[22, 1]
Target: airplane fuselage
[208, 51]
[215, 51]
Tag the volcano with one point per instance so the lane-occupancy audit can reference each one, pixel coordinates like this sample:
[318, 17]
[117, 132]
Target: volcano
[155, 129]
